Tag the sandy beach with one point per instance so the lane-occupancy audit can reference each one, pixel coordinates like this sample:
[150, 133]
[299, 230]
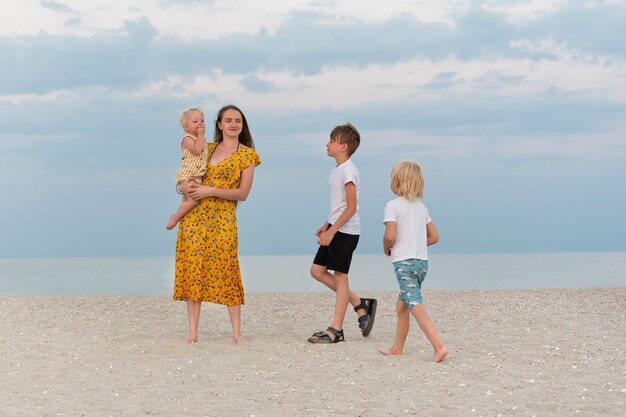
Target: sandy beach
[512, 353]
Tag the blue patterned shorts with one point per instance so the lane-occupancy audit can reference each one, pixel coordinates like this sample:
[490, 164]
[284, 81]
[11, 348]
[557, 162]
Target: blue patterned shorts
[410, 274]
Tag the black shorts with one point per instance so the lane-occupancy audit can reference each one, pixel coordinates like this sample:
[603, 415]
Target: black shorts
[338, 255]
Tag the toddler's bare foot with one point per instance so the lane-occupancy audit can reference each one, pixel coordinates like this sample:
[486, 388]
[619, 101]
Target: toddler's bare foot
[440, 354]
[388, 352]
[238, 339]
[192, 340]
[171, 223]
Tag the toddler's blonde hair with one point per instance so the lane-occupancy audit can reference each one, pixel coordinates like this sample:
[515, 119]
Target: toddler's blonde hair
[410, 180]
[183, 116]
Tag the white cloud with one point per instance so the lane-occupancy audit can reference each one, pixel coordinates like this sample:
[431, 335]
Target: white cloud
[210, 20]
[29, 17]
[519, 12]
[584, 147]
[24, 98]
[377, 11]
[402, 82]
[590, 73]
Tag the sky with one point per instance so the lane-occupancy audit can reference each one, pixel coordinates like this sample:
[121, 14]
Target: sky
[516, 112]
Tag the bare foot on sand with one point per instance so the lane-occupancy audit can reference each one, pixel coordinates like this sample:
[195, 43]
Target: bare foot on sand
[388, 352]
[440, 354]
[192, 340]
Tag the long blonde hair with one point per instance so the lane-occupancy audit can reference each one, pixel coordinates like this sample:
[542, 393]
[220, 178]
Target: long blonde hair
[408, 175]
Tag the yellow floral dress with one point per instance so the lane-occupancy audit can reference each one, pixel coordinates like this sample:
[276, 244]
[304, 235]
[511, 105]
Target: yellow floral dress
[207, 263]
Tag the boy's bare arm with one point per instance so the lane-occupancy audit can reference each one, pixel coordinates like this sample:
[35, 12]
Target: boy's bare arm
[327, 236]
[432, 236]
[321, 229]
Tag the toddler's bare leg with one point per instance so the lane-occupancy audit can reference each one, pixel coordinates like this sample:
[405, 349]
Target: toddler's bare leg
[185, 207]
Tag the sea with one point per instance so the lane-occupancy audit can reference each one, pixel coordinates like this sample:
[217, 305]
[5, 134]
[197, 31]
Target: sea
[290, 273]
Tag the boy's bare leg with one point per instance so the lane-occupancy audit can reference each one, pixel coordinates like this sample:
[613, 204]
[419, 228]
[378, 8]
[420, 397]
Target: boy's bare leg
[342, 298]
[193, 315]
[185, 207]
[402, 330]
[235, 320]
[430, 331]
[321, 274]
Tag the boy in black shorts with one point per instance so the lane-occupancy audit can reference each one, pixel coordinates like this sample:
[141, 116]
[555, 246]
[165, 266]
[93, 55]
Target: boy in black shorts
[339, 236]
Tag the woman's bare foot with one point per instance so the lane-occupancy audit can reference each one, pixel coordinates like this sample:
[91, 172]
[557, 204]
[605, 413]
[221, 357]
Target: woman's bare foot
[192, 340]
[172, 222]
[440, 354]
[238, 339]
[388, 352]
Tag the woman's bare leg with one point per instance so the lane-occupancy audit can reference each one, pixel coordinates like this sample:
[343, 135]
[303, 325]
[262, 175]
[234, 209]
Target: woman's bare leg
[193, 315]
[235, 320]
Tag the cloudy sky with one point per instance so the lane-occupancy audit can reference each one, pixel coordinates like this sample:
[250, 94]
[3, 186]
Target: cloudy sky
[515, 110]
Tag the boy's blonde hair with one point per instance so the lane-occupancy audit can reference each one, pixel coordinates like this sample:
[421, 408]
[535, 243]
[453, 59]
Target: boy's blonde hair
[347, 134]
[183, 116]
[408, 175]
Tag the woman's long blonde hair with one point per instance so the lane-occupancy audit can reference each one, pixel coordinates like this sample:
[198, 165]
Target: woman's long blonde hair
[408, 175]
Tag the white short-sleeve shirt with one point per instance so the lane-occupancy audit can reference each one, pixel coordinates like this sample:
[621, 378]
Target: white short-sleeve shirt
[411, 218]
[339, 177]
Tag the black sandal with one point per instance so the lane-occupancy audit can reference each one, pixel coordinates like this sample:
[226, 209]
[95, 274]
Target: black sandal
[324, 337]
[366, 322]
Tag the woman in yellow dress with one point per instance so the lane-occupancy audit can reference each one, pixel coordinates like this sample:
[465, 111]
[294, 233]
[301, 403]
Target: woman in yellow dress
[207, 264]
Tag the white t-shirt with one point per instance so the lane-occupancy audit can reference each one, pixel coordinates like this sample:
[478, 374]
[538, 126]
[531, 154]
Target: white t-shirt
[411, 218]
[339, 177]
